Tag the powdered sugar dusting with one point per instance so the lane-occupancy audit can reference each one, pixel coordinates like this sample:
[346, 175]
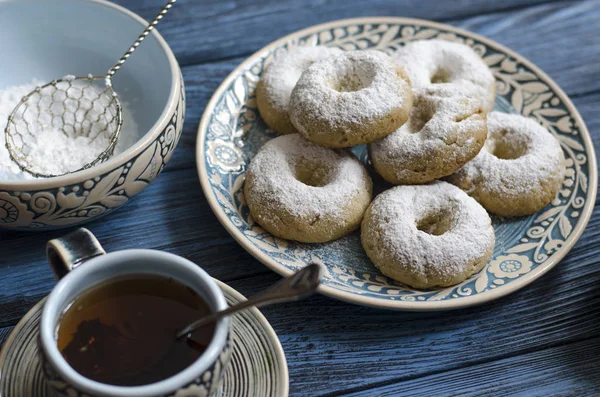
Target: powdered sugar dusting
[276, 184]
[438, 61]
[51, 151]
[440, 117]
[395, 213]
[9, 98]
[352, 88]
[540, 161]
[282, 74]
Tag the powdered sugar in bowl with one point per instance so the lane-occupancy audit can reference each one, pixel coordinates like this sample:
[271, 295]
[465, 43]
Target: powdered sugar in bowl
[149, 85]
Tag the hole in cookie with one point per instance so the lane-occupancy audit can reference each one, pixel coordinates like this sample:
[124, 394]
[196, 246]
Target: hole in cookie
[440, 76]
[436, 223]
[505, 147]
[312, 176]
[352, 80]
[419, 116]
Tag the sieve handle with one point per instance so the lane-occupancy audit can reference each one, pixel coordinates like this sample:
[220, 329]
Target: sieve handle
[141, 38]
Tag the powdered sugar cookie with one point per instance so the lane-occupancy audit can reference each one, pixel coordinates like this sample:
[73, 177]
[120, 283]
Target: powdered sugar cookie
[300, 191]
[428, 62]
[427, 236]
[354, 98]
[446, 128]
[277, 82]
[519, 170]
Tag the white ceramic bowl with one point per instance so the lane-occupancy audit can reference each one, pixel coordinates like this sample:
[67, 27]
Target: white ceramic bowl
[45, 40]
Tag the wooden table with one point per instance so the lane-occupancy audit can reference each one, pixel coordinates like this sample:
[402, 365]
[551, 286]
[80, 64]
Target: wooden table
[541, 341]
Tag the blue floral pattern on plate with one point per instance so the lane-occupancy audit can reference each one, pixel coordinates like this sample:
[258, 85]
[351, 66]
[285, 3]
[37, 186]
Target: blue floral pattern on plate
[231, 132]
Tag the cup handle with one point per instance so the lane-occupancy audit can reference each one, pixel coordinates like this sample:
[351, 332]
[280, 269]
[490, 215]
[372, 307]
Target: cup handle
[68, 252]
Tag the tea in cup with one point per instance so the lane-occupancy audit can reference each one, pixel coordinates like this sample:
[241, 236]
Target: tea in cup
[108, 328]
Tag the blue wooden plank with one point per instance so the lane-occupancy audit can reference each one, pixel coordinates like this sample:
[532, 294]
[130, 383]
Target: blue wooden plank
[560, 38]
[224, 29]
[4, 332]
[332, 346]
[574, 70]
[525, 339]
[330, 342]
[171, 215]
[560, 371]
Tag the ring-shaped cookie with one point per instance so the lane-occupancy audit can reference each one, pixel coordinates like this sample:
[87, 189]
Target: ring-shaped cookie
[446, 128]
[519, 170]
[427, 236]
[300, 191]
[354, 98]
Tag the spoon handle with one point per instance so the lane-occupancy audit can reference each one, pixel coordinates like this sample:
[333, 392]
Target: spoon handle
[214, 317]
[298, 286]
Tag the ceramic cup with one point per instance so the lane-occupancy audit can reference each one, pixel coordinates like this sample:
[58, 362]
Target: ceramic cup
[79, 261]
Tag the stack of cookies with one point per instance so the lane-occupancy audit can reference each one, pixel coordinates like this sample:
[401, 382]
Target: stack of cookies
[425, 113]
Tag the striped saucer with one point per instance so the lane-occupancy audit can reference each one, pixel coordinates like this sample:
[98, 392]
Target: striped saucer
[258, 366]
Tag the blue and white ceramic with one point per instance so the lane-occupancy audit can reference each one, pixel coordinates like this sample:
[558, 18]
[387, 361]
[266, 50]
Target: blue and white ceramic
[81, 263]
[40, 39]
[257, 368]
[231, 132]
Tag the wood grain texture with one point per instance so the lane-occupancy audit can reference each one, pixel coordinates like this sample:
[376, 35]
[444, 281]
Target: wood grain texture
[562, 39]
[334, 346]
[171, 215]
[4, 332]
[225, 29]
[562, 54]
[542, 341]
[563, 370]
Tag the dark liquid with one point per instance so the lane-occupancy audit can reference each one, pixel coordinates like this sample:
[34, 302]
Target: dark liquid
[122, 332]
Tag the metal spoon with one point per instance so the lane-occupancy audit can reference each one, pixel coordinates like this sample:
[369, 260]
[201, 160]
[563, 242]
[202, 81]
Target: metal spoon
[298, 286]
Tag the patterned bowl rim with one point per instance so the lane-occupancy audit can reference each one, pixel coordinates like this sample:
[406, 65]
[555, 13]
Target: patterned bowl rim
[138, 147]
[461, 302]
[261, 322]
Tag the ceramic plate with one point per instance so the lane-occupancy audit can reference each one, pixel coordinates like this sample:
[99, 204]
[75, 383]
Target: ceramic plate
[257, 368]
[231, 132]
